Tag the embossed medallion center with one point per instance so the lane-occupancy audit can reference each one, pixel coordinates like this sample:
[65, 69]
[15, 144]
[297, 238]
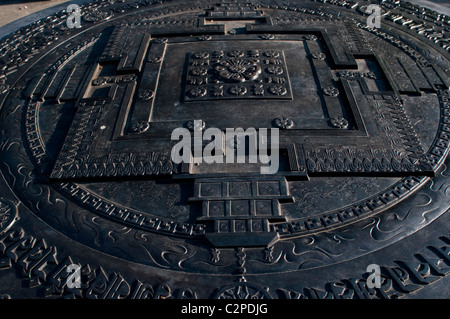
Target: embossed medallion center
[239, 70]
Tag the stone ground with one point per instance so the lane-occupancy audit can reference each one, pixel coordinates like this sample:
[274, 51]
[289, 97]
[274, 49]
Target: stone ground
[17, 13]
[11, 10]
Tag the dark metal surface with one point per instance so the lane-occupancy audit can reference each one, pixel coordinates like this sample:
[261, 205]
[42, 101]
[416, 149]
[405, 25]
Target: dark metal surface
[87, 175]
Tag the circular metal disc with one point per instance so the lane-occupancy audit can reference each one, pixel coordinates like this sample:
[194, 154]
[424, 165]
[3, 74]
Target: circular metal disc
[352, 101]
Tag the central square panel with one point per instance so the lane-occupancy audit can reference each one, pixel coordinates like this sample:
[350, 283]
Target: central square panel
[253, 81]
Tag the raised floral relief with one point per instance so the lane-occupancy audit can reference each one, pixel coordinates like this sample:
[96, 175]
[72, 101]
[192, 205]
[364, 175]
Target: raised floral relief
[239, 70]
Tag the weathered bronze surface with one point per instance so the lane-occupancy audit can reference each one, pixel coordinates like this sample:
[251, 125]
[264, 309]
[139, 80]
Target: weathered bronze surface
[87, 177]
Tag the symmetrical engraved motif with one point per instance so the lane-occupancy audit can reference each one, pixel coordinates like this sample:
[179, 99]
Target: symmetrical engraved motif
[235, 74]
[238, 70]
